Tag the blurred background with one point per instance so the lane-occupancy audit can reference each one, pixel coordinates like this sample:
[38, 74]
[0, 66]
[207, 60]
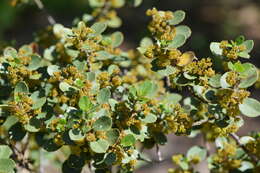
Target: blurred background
[209, 20]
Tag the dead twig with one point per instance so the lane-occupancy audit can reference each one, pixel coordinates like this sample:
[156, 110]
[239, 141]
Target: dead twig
[40, 5]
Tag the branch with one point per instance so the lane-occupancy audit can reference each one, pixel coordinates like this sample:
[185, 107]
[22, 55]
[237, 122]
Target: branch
[198, 123]
[236, 138]
[40, 5]
[158, 152]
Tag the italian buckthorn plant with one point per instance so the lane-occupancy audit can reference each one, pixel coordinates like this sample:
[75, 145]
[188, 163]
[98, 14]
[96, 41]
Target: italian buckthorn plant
[72, 95]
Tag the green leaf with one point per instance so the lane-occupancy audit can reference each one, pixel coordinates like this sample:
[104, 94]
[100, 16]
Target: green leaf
[178, 41]
[246, 139]
[52, 69]
[5, 152]
[76, 135]
[109, 159]
[150, 118]
[246, 165]
[50, 146]
[49, 53]
[32, 127]
[210, 95]
[238, 67]
[147, 88]
[215, 49]
[91, 76]
[117, 39]
[7, 165]
[103, 55]
[172, 98]
[135, 3]
[21, 87]
[240, 39]
[72, 53]
[178, 17]
[195, 152]
[112, 68]
[85, 104]
[10, 52]
[249, 45]
[183, 30]
[64, 86]
[99, 27]
[99, 146]
[215, 81]
[115, 22]
[112, 136]
[61, 32]
[67, 169]
[250, 107]
[39, 103]
[87, 17]
[184, 165]
[128, 140]
[96, 3]
[223, 81]
[244, 55]
[16, 132]
[167, 71]
[104, 123]
[160, 138]
[146, 42]
[249, 76]
[220, 142]
[103, 96]
[118, 3]
[76, 162]
[35, 62]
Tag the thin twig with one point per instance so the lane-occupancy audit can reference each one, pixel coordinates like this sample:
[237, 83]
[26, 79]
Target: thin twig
[236, 138]
[145, 160]
[90, 167]
[198, 123]
[40, 5]
[206, 144]
[158, 152]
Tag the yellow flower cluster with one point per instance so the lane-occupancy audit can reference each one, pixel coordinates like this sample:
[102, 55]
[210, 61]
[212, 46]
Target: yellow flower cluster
[159, 26]
[230, 99]
[231, 52]
[69, 75]
[21, 72]
[165, 57]
[212, 131]
[22, 108]
[105, 79]
[224, 158]
[232, 78]
[180, 122]
[202, 67]
[178, 159]
[254, 147]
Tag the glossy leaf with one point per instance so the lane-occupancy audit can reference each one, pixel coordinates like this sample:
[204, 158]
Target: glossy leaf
[250, 107]
[103, 96]
[128, 140]
[177, 42]
[178, 17]
[85, 103]
[99, 146]
[104, 123]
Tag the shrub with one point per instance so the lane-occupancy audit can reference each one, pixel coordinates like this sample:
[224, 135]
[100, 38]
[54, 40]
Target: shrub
[74, 90]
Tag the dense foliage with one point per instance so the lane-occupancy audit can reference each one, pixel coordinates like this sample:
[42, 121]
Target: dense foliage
[74, 90]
